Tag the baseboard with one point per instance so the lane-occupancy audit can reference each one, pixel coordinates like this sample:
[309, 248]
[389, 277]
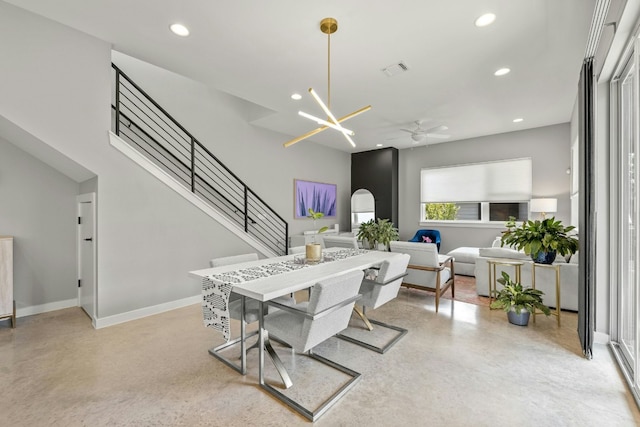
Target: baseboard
[116, 319]
[601, 338]
[44, 308]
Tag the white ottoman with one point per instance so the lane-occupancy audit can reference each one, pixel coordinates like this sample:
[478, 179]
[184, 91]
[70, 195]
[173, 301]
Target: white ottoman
[465, 260]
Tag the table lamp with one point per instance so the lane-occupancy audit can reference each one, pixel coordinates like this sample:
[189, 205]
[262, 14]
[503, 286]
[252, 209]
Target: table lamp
[543, 206]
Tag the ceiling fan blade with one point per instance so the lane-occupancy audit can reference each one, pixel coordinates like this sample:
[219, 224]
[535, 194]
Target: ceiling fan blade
[436, 129]
[437, 136]
[407, 130]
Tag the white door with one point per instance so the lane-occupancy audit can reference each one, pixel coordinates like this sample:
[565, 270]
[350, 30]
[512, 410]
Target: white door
[87, 253]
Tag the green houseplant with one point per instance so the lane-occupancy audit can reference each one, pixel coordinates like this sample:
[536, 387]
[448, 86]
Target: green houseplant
[540, 239]
[386, 232]
[517, 301]
[367, 232]
[379, 232]
[313, 251]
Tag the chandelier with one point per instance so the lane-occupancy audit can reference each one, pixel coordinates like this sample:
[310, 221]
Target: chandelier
[328, 26]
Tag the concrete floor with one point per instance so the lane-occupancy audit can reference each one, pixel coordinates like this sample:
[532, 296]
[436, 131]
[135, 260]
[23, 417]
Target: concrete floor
[465, 366]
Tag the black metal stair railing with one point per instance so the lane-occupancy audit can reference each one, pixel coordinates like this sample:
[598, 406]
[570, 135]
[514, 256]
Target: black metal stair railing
[146, 126]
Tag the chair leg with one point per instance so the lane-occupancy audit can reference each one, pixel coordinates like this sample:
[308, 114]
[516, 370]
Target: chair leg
[314, 414]
[215, 352]
[401, 332]
[437, 291]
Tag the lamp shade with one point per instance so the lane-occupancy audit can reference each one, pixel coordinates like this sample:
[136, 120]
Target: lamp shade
[543, 205]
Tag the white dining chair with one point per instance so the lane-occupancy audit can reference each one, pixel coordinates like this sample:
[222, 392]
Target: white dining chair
[340, 242]
[237, 305]
[307, 324]
[297, 250]
[376, 291]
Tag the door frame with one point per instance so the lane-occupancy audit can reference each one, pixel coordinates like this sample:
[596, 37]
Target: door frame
[81, 199]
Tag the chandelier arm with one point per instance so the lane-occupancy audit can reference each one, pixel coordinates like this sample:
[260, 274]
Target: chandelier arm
[321, 128]
[325, 123]
[324, 107]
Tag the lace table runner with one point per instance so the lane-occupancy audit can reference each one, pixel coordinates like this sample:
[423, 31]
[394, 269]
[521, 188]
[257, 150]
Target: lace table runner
[216, 288]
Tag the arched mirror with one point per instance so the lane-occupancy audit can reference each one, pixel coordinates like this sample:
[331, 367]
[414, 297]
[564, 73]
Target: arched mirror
[363, 207]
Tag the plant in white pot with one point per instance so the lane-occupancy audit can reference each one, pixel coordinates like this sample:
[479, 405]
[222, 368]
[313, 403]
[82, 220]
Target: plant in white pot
[517, 301]
[385, 233]
[313, 251]
[367, 234]
[378, 234]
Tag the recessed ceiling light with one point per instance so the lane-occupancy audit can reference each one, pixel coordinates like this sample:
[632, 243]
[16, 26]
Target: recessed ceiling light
[296, 97]
[378, 145]
[502, 72]
[180, 30]
[486, 19]
[518, 120]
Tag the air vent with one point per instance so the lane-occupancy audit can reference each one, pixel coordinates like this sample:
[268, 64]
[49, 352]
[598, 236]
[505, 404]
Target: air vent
[395, 69]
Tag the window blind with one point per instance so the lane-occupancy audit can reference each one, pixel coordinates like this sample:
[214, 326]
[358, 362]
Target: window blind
[501, 181]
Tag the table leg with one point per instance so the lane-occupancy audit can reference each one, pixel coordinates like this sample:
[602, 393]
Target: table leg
[243, 336]
[558, 294]
[264, 343]
[261, 344]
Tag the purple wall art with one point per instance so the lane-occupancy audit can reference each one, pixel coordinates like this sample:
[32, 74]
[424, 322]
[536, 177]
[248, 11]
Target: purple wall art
[318, 196]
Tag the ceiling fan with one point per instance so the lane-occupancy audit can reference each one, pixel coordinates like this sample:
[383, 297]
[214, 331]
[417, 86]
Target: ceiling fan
[419, 134]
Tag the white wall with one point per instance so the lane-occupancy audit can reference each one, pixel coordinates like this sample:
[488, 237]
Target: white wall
[38, 208]
[148, 237]
[547, 146]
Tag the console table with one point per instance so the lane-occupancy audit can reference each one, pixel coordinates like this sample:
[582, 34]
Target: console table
[7, 304]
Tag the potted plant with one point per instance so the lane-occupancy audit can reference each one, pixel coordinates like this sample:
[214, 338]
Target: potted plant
[313, 251]
[518, 302]
[385, 233]
[378, 234]
[540, 239]
[366, 232]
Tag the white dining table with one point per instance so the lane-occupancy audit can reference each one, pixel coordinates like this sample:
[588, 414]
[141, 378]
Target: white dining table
[265, 289]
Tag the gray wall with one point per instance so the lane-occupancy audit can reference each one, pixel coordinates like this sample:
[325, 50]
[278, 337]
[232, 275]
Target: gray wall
[549, 148]
[38, 208]
[148, 237]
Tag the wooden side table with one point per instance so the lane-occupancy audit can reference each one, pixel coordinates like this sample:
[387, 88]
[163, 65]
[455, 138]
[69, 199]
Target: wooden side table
[555, 267]
[493, 279]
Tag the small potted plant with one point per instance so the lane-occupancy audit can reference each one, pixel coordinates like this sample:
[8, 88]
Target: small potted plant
[366, 232]
[385, 233]
[540, 239]
[313, 251]
[378, 234]
[518, 302]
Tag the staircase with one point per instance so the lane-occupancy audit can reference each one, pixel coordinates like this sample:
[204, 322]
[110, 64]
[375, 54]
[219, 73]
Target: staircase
[150, 136]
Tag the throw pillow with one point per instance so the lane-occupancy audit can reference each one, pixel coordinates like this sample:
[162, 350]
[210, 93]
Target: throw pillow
[426, 239]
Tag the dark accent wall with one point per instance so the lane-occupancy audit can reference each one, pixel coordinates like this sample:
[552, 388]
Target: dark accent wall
[377, 171]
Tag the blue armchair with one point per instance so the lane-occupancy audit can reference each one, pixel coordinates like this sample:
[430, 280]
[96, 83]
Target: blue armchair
[433, 235]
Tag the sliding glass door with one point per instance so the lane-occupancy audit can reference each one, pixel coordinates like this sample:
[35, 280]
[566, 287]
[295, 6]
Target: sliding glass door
[628, 217]
[625, 212]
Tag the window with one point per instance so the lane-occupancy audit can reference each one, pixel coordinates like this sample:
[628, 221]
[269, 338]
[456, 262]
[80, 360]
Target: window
[492, 191]
[503, 211]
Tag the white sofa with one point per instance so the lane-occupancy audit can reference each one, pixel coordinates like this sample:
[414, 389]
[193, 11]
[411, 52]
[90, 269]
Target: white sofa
[545, 277]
